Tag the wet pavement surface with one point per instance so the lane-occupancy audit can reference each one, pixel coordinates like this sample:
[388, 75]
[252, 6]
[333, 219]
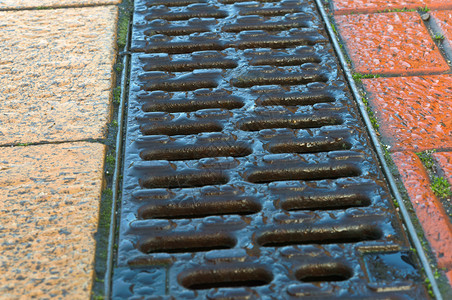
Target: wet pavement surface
[411, 103]
[55, 102]
[390, 43]
[248, 172]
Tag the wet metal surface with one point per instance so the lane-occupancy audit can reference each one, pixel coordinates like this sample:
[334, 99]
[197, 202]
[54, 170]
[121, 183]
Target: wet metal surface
[248, 172]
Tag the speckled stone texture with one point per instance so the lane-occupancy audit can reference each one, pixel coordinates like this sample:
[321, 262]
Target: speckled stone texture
[429, 210]
[390, 43]
[49, 206]
[414, 113]
[369, 6]
[23, 4]
[56, 74]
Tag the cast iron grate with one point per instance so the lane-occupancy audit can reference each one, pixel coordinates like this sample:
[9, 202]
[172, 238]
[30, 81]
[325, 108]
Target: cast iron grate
[248, 172]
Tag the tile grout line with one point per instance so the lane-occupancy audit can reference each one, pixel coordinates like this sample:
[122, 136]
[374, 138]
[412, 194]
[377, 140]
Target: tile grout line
[99, 141]
[364, 11]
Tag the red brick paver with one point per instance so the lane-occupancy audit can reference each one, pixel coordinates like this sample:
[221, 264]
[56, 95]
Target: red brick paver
[370, 6]
[390, 43]
[429, 210]
[444, 160]
[415, 113]
[49, 207]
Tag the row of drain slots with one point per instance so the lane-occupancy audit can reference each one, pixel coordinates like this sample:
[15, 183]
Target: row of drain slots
[246, 40]
[187, 242]
[200, 178]
[187, 126]
[248, 275]
[159, 27]
[220, 206]
[209, 11]
[195, 152]
[162, 102]
[197, 81]
[215, 60]
[173, 3]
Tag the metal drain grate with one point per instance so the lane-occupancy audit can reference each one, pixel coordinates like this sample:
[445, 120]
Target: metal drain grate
[248, 172]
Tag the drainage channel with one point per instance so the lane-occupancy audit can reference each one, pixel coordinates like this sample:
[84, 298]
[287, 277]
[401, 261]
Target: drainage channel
[248, 172]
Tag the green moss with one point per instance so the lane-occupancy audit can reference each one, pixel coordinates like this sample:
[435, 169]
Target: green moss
[387, 154]
[424, 9]
[43, 8]
[123, 25]
[370, 113]
[118, 67]
[396, 204]
[427, 158]
[438, 37]
[396, 10]
[110, 159]
[334, 29]
[428, 284]
[441, 187]
[117, 95]
[107, 193]
[358, 76]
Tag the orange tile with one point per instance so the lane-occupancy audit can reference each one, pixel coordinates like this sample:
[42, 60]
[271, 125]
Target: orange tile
[56, 74]
[390, 43]
[22, 4]
[414, 113]
[49, 210]
[444, 160]
[372, 6]
[429, 210]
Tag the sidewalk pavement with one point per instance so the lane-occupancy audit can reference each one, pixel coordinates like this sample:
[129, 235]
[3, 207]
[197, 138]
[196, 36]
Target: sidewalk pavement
[55, 102]
[408, 43]
[56, 78]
